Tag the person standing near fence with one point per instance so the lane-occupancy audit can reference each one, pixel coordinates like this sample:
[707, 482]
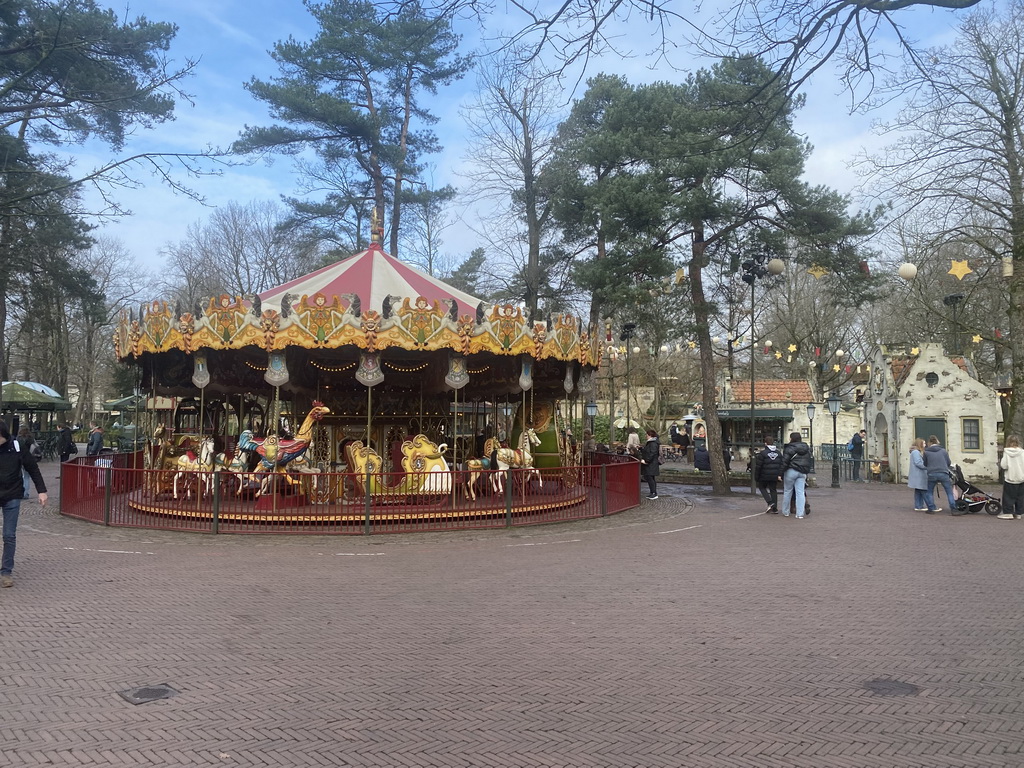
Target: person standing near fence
[857, 453]
[1012, 464]
[65, 442]
[12, 462]
[650, 460]
[92, 448]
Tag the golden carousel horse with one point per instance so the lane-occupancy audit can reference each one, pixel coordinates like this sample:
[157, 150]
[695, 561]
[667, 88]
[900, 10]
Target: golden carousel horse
[518, 458]
[426, 470]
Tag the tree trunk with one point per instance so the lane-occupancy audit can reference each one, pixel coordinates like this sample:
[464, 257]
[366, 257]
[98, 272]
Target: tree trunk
[701, 314]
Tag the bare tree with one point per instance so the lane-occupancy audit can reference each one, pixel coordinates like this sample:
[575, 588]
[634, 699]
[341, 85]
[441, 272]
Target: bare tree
[512, 126]
[958, 163]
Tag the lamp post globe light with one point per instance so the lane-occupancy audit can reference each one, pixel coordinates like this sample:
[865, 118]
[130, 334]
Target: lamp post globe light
[834, 404]
[810, 420]
[591, 414]
[758, 266]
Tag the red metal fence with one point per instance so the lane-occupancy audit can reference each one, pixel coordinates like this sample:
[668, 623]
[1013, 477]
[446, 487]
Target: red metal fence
[113, 490]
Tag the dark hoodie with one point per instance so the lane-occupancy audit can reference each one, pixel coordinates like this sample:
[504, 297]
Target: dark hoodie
[11, 464]
[769, 464]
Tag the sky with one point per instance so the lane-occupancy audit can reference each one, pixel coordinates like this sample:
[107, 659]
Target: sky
[231, 40]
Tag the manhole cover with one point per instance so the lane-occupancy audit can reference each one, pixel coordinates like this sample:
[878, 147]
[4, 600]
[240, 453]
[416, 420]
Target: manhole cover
[891, 688]
[147, 693]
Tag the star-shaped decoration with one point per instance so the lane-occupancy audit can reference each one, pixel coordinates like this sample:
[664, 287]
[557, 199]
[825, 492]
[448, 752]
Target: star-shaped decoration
[818, 271]
[778, 355]
[959, 270]
[976, 338]
[691, 344]
[835, 368]
[680, 275]
[791, 348]
[915, 350]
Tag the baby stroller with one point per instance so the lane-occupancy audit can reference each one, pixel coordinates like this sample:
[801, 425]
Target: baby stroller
[972, 498]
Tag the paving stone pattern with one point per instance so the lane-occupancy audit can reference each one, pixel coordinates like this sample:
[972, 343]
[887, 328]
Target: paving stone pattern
[689, 632]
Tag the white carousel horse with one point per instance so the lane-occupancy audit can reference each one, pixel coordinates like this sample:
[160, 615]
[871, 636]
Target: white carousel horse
[517, 458]
[191, 463]
[475, 467]
[238, 467]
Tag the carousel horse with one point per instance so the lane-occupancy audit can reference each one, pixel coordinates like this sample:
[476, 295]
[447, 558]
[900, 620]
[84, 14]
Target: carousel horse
[426, 470]
[517, 458]
[276, 454]
[237, 466]
[476, 467]
[190, 463]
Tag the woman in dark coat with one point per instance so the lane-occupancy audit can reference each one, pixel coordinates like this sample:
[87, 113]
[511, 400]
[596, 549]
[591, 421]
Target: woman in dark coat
[650, 460]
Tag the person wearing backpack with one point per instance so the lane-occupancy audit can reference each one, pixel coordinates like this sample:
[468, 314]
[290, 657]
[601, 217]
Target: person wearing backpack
[12, 462]
[856, 449]
[767, 471]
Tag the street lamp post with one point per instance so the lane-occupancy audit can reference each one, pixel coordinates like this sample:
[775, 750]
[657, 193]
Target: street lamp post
[759, 266]
[591, 414]
[810, 419]
[626, 335]
[834, 403]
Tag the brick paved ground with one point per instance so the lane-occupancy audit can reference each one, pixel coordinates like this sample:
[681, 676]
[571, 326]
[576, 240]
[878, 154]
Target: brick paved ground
[690, 632]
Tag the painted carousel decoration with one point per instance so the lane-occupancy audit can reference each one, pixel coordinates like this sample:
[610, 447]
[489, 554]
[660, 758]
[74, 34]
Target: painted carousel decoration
[411, 388]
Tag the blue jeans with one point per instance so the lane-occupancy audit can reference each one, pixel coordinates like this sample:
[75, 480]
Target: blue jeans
[793, 481]
[934, 479]
[11, 509]
[921, 500]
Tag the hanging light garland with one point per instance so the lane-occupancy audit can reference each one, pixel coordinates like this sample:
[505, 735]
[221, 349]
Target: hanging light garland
[329, 369]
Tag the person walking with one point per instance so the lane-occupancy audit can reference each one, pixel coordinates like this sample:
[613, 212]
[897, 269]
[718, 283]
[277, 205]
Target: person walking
[12, 462]
[1012, 464]
[650, 460]
[917, 477]
[857, 453]
[65, 442]
[796, 463]
[937, 461]
[767, 471]
[92, 448]
[26, 442]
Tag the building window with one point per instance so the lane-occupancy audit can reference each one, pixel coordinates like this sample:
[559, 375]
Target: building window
[932, 378]
[971, 431]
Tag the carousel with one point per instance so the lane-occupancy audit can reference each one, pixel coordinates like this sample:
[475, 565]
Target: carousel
[366, 389]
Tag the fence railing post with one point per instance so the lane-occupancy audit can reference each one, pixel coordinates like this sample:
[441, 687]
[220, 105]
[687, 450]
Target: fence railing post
[508, 497]
[108, 477]
[366, 505]
[216, 501]
[604, 490]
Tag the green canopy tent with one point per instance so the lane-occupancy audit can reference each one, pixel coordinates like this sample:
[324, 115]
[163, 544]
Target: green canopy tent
[18, 397]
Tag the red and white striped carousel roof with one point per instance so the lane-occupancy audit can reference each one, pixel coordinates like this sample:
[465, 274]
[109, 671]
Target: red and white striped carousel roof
[372, 275]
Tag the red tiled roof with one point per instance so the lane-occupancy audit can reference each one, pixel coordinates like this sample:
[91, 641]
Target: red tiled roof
[774, 391]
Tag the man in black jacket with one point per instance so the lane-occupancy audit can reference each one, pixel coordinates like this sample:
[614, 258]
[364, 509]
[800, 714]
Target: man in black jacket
[796, 463]
[12, 488]
[767, 471]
